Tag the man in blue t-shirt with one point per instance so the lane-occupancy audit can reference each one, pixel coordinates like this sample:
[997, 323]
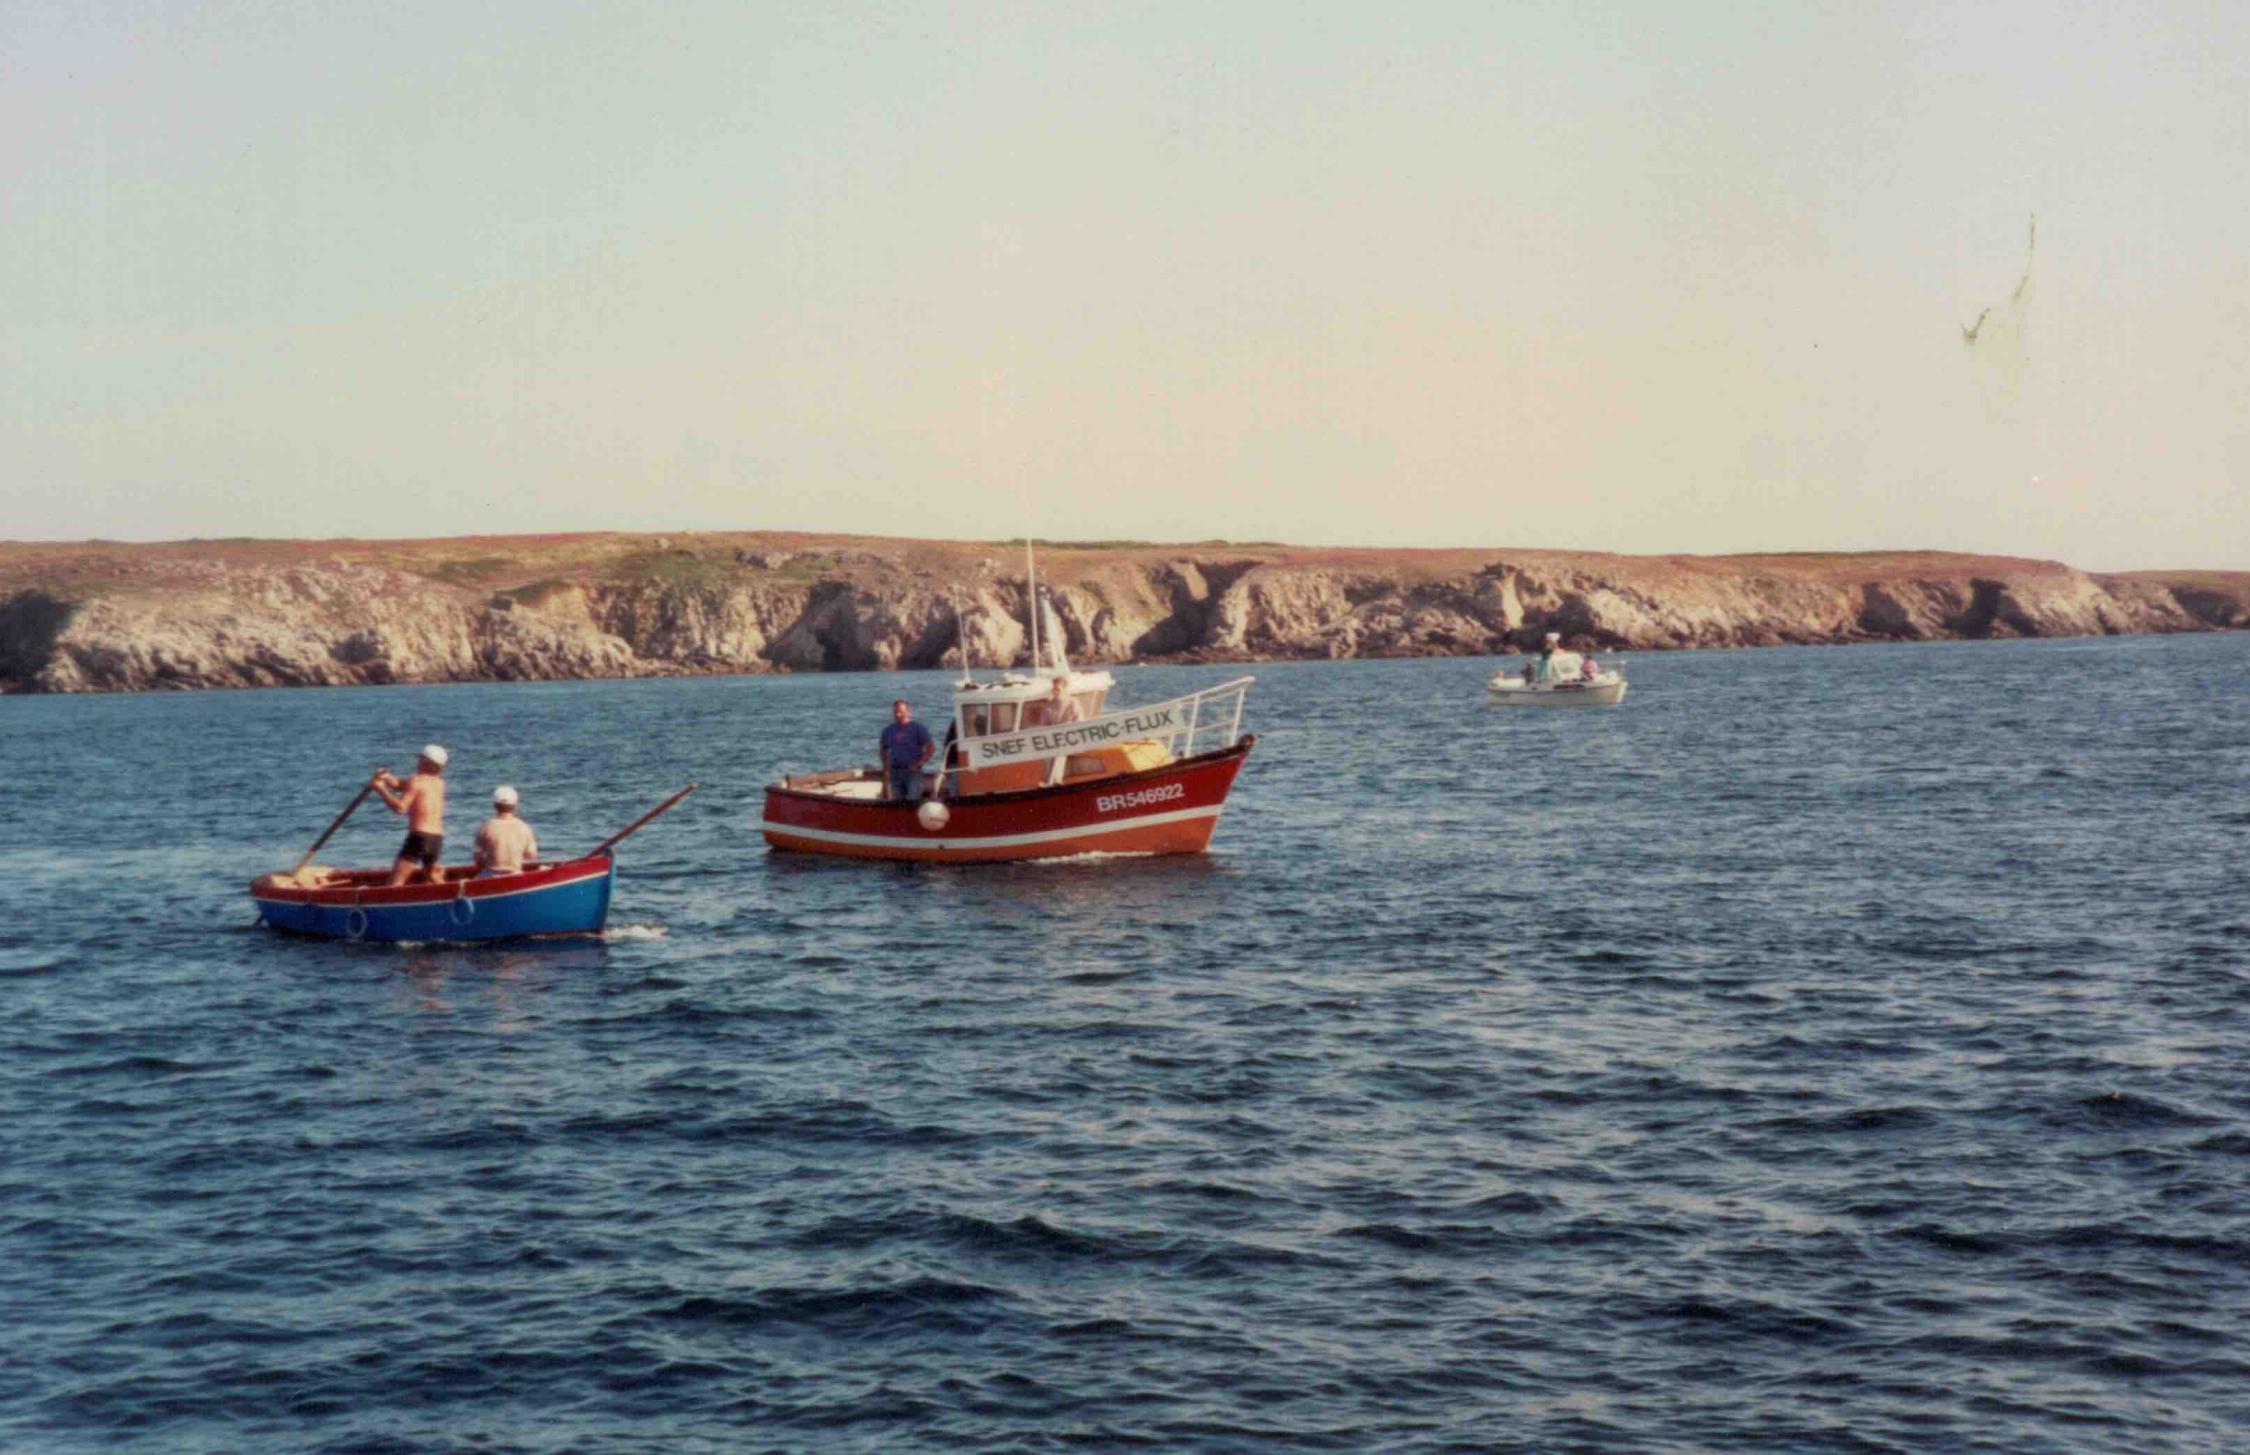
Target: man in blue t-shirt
[905, 747]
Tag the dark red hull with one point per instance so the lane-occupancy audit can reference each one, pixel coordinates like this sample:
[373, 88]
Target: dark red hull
[1167, 810]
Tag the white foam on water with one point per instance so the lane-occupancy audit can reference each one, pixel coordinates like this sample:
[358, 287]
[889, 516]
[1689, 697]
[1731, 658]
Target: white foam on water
[635, 932]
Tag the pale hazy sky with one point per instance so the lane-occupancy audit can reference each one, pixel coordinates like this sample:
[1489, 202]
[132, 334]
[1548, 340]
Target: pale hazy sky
[1641, 278]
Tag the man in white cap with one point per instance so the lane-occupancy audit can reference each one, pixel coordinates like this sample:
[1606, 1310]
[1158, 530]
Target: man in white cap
[505, 843]
[422, 799]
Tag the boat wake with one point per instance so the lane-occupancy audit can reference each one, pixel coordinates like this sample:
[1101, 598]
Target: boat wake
[635, 932]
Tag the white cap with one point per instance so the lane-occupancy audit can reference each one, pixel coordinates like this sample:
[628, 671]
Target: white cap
[434, 753]
[504, 796]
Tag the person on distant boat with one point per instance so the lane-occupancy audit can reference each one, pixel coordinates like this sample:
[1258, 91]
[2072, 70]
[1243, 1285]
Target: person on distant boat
[1586, 667]
[905, 746]
[505, 843]
[1547, 657]
[422, 799]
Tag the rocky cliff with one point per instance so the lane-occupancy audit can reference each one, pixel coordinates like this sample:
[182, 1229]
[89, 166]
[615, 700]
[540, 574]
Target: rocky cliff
[99, 617]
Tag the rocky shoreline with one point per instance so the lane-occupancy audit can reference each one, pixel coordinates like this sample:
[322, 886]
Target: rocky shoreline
[103, 617]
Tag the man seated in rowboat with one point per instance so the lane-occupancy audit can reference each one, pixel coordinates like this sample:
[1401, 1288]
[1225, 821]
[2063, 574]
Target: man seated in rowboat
[422, 799]
[505, 843]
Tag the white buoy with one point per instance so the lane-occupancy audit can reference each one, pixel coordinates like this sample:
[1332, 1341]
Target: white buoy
[933, 815]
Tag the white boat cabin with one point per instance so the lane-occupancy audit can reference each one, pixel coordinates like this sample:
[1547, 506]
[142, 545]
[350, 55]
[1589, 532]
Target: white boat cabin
[1016, 701]
[1012, 707]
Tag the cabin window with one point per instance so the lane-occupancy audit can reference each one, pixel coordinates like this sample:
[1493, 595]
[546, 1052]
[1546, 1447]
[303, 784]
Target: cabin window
[1003, 717]
[972, 721]
[1083, 765]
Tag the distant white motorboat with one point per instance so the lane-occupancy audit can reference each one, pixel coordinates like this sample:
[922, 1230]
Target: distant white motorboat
[1558, 679]
[1605, 689]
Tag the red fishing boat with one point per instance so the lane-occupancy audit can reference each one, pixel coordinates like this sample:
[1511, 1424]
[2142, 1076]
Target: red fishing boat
[1025, 776]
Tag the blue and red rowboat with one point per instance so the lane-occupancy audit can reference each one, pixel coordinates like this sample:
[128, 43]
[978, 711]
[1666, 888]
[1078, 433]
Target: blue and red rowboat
[569, 897]
[552, 899]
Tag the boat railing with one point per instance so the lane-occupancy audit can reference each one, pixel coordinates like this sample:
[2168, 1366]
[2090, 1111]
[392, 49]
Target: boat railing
[1214, 718]
[1192, 723]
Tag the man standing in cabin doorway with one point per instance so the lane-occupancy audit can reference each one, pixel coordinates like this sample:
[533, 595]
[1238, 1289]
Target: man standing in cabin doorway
[422, 799]
[905, 747]
[1059, 707]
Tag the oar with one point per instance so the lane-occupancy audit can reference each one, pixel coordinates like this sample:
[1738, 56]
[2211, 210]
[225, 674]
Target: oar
[638, 824]
[357, 799]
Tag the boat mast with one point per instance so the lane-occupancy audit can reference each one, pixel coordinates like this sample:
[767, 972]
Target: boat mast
[1031, 600]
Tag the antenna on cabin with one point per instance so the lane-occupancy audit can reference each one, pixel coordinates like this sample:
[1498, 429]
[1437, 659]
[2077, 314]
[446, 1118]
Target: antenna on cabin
[961, 640]
[1031, 601]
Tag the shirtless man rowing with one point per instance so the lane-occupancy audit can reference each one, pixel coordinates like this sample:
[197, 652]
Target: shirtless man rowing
[422, 799]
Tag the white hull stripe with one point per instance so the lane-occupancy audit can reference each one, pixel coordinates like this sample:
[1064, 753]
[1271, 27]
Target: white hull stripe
[990, 841]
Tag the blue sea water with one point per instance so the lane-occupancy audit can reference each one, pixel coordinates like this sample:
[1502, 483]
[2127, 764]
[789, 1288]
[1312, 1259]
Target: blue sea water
[1829, 1050]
